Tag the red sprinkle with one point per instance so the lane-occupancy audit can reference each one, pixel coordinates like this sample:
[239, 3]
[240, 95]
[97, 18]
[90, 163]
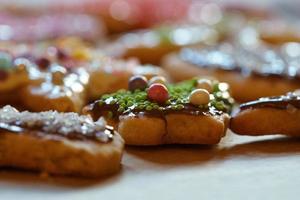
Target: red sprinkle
[158, 93]
[43, 63]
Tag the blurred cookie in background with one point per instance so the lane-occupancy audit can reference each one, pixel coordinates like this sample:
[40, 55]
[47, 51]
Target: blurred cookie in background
[150, 45]
[251, 72]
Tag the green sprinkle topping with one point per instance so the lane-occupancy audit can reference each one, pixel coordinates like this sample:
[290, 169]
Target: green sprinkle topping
[179, 107]
[149, 108]
[178, 97]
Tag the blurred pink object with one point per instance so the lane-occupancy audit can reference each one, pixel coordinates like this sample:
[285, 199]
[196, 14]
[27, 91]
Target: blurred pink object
[143, 13]
[48, 26]
[136, 13]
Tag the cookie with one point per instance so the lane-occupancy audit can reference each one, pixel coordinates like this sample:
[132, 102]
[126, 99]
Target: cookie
[58, 143]
[62, 77]
[269, 115]
[150, 45]
[60, 91]
[154, 112]
[270, 72]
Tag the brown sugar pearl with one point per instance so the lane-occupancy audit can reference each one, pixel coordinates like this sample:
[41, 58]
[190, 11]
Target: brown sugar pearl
[58, 74]
[137, 82]
[43, 63]
[199, 97]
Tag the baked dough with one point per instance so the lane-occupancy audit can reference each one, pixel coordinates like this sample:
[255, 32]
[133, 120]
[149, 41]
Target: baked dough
[276, 115]
[59, 91]
[145, 122]
[173, 129]
[60, 144]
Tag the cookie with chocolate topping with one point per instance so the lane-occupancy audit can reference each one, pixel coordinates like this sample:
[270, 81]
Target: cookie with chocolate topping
[161, 113]
[58, 143]
[251, 73]
[269, 115]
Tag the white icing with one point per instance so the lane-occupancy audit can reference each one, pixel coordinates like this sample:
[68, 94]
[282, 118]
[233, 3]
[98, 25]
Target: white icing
[53, 121]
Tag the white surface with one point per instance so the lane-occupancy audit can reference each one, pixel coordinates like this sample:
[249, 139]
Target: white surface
[239, 168]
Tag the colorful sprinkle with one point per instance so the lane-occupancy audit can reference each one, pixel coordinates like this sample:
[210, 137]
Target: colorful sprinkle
[158, 93]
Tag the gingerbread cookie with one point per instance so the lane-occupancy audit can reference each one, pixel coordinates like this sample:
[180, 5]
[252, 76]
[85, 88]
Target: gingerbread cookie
[251, 73]
[269, 115]
[154, 112]
[150, 45]
[58, 143]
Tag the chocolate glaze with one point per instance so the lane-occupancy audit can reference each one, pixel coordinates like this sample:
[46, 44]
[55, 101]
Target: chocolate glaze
[258, 62]
[279, 102]
[98, 136]
[97, 111]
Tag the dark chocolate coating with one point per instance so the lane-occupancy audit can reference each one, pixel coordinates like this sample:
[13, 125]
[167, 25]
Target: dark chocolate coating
[279, 102]
[97, 111]
[261, 61]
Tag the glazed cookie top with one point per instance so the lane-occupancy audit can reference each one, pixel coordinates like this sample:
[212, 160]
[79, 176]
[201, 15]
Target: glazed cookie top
[290, 100]
[157, 98]
[12, 60]
[261, 61]
[69, 53]
[70, 125]
[54, 69]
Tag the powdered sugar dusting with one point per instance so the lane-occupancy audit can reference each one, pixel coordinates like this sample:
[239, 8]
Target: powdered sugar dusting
[70, 125]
